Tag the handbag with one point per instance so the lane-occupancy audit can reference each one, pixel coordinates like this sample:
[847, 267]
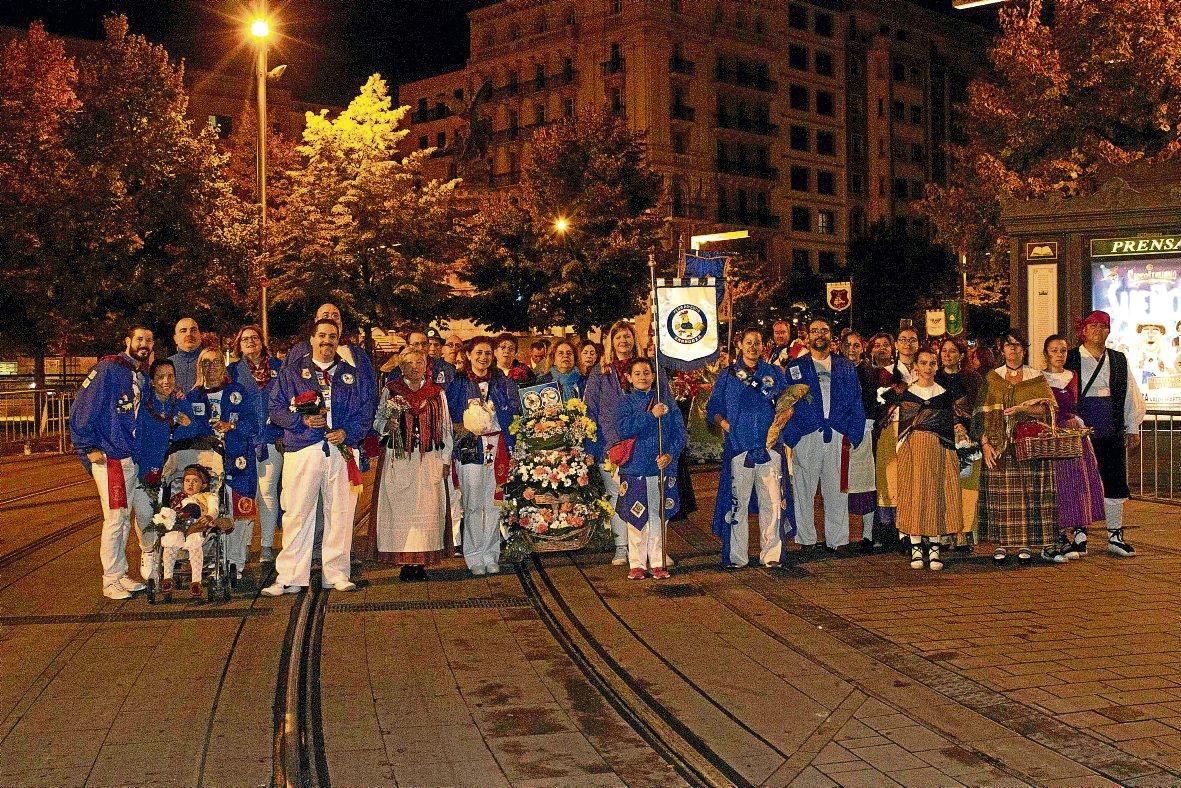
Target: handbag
[621, 453]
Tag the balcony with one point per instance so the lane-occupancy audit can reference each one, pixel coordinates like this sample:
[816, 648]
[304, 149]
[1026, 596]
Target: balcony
[434, 113]
[611, 67]
[504, 179]
[760, 126]
[682, 112]
[748, 218]
[744, 79]
[518, 89]
[748, 169]
[687, 209]
[679, 65]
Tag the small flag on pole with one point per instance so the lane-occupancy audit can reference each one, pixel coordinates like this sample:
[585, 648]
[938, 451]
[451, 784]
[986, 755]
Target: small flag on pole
[687, 311]
[840, 296]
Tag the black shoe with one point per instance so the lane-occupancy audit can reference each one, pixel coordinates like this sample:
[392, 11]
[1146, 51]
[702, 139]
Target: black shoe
[866, 545]
[406, 574]
[1116, 544]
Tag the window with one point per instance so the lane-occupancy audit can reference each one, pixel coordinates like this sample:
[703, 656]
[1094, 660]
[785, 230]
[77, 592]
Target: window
[799, 98]
[616, 7]
[857, 144]
[826, 143]
[616, 54]
[423, 109]
[916, 115]
[918, 154]
[539, 76]
[857, 221]
[514, 121]
[826, 261]
[822, 24]
[881, 186]
[797, 17]
[424, 142]
[881, 147]
[899, 72]
[799, 138]
[568, 107]
[680, 142]
[801, 219]
[800, 179]
[823, 63]
[916, 190]
[854, 67]
[898, 110]
[441, 139]
[801, 260]
[567, 69]
[825, 182]
[538, 114]
[797, 57]
[825, 222]
[222, 124]
[513, 80]
[901, 189]
[825, 103]
[857, 184]
[881, 107]
[616, 101]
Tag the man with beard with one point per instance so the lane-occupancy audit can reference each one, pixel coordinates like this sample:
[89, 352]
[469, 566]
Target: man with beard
[319, 461]
[815, 433]
[187, 337]
[352, 354]
[102, 428]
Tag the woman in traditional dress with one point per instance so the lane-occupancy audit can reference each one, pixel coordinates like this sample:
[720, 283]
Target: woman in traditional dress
[482, 403]
[257, 365]
[931, 418]
[1017, 507]
[563, 369]
[415, 426]
[954, 376]
[1080, 487]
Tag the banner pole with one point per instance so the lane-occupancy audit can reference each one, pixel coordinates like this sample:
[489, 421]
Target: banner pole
[659, 425]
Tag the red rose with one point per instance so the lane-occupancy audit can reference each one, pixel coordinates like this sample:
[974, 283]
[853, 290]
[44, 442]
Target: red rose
[306, 398]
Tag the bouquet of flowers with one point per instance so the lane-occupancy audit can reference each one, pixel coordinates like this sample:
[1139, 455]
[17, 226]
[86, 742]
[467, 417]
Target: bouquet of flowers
[394, 409]
[686, 384]
[308, 403]
[784, 409]
[565, 424]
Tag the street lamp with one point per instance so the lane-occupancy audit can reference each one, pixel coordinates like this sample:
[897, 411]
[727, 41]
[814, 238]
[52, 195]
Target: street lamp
[561, 225]
[260, 31]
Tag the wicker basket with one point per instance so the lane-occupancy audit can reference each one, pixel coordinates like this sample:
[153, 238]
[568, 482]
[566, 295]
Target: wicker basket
[1054, 443]
[569, 539]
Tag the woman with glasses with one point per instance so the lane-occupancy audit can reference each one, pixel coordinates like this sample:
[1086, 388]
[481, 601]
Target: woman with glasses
[257, 367]
[1017, 507]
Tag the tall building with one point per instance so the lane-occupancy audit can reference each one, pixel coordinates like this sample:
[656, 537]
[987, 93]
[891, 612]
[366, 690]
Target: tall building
[801, 122]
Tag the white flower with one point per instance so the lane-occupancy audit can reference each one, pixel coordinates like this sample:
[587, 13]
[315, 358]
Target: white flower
[165, 518]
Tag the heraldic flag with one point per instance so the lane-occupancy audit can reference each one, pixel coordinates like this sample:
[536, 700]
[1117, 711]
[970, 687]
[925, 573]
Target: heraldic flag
[687, 314]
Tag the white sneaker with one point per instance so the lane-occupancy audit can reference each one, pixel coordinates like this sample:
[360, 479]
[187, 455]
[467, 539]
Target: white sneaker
[116, 591]
[343, 585]
[620, 558]
[478, 571]
[278, 589]
[493, 569]
[127, 584]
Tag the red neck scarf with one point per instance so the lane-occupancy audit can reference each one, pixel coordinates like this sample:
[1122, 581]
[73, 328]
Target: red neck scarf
[261, 372]
[474, 378]
[623, 368]
[424, 419]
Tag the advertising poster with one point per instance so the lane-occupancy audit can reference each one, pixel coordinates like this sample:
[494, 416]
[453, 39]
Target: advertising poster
[1143, 298]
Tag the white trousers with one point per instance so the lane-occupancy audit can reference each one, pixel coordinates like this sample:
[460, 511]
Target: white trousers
[269, 473]
[112, 545]
[1113, 509]
[618, 526]
[645, 548]
[308, 476]
[142, 505]
[481, 523]
[818, 463]
[172, 543]
[764, 479]
[238, 543]
[455, 505]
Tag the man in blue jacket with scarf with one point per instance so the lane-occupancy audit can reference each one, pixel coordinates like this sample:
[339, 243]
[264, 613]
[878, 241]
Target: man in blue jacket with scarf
[743, 406]
[815, 434]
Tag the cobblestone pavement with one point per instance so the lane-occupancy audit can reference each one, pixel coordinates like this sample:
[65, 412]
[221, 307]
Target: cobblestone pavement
[836, 670]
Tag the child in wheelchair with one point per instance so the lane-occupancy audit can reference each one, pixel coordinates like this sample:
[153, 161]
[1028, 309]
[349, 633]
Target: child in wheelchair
[191, 521]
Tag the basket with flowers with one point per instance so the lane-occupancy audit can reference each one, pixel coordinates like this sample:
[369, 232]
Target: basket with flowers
[554, 497]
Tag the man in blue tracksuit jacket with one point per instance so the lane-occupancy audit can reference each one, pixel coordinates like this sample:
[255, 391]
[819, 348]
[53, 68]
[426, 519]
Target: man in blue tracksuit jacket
[743, 406]
[815, 434]
[102, 428]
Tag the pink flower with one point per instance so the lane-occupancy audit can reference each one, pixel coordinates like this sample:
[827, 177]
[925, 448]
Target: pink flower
[529, 494]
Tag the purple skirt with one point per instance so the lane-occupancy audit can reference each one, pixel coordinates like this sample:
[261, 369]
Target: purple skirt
[1080, 490]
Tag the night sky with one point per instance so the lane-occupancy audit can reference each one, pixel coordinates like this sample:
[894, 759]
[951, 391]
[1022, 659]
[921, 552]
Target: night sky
[330, 46]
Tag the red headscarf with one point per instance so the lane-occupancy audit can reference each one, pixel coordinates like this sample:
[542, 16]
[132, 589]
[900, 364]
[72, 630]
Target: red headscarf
[1096, 318]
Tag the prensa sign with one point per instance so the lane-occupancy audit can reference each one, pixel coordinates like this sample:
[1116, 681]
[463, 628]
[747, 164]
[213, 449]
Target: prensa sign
[1128, 247]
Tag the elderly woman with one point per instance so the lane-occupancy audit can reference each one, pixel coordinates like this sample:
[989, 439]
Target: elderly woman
[588, 357]
[931, 418]
[257, 366]
[415, 425]
[563, 370]
[228, 411]
[954, 376]
[1017, 506]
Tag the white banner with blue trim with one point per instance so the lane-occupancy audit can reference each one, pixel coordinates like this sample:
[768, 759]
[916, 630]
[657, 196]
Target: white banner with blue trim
[687, 312]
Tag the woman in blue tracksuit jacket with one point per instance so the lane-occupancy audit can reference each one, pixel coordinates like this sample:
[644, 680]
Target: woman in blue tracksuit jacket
[257, 368]
[659, 433]
[229, 411]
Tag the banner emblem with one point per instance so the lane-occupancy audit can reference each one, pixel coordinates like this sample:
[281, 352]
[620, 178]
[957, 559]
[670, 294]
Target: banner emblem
[936, 323]
[840, 296]
[687, 324]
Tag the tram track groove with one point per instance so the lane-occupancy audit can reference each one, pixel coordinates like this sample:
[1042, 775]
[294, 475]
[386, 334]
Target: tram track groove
[27, 494]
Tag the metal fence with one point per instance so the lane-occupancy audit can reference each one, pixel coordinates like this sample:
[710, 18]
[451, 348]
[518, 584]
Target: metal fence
[35, 420]
[1154, 469]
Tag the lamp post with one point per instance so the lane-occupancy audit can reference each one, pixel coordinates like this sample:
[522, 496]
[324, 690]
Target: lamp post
[260, 31]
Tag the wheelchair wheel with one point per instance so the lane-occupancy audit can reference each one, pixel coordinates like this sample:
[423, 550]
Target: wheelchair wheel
[210, 592]
[151, 591]
[232, 579]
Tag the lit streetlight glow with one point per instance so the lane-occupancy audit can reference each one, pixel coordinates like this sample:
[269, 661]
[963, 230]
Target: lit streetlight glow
[561, 225]
[260, 28]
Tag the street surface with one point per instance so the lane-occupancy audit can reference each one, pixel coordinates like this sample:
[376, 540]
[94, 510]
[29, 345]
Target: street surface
[838, 670]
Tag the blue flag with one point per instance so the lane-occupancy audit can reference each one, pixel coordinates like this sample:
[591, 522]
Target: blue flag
[699, 265]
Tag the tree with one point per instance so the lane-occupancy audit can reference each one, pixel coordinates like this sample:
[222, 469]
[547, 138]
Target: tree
[1073, 94]
[593, 172]
[895, 274]
[361, 227]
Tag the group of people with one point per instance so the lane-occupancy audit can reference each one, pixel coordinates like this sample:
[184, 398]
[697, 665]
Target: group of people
[910, 438]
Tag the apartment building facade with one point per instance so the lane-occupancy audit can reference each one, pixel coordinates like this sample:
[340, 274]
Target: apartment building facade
[802, 122]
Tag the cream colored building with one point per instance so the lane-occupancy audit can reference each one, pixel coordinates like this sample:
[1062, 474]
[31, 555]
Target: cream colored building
[801, 122]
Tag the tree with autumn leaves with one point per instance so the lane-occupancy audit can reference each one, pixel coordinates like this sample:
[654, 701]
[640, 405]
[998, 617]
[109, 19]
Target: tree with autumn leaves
[1077, 91]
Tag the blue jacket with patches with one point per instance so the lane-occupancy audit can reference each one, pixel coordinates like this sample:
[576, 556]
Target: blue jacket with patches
[103, 415]
[239, 406]
[846, 413]
[154, 428]
[349, 401]
[747, 403]
[240, 373]
[504, 394]
[635, 420]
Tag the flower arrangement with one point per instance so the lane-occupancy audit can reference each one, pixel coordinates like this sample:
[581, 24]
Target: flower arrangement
[554, 497]
[394, 408]
[686, 384]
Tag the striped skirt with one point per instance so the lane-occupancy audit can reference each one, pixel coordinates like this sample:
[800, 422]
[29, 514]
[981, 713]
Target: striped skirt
[1018, 502]
[928, 487]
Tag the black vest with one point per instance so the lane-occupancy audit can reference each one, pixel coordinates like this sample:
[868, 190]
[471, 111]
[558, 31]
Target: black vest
[1117, 364]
